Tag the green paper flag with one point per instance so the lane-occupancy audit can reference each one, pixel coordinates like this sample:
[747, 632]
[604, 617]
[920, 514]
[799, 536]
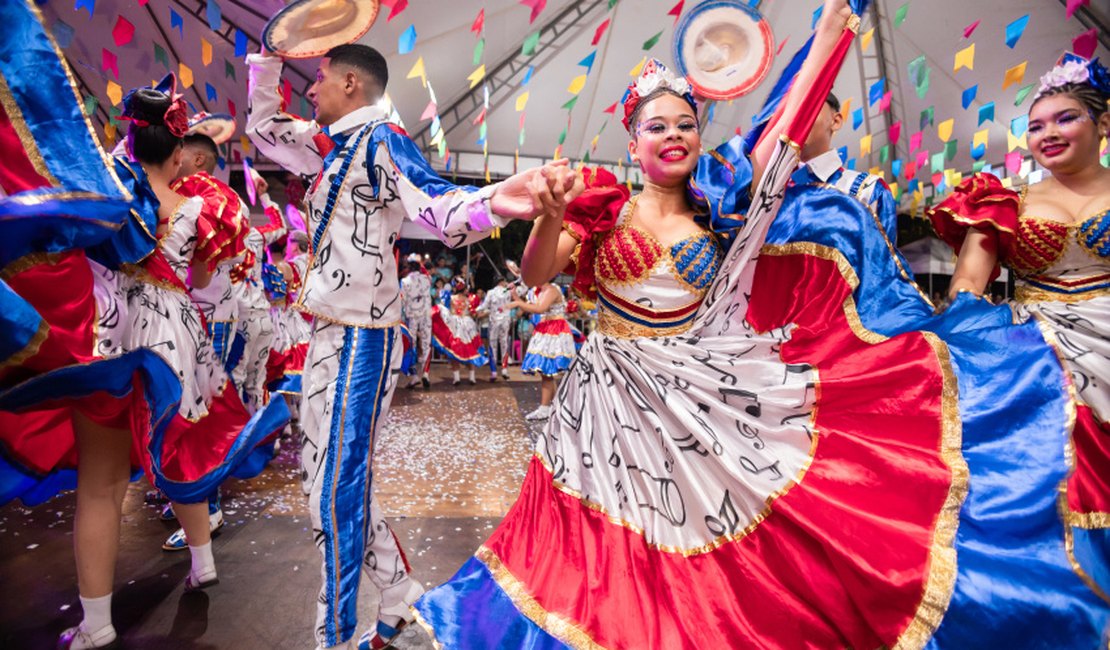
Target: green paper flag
[923, 87]
[570, 105]
[1022, 94]
[900, 15]
[530, 44]
[586, 158]
[950, 149]
[612, 3]
[978, 166]
[926, 117]
[563, 136]
[520, 140]
[114, 115]
[90, 105]
[937, 161]
[650, 43]
[229, 70]
[478, 49]
[306, 108]
[160, 56]
[884, 154]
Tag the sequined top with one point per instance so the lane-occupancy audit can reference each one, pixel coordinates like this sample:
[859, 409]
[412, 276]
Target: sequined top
[646, 288]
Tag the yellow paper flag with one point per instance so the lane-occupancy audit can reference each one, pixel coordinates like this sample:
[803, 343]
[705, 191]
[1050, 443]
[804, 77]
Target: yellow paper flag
[245, 143]
[185, 75]
[577, 84]
[865, 40]
[205, 52]
[980, 138]
[876, 171]
[895, 191]
[1007, 182]
[110, 132]
[1013, 143]
[965, 58]
[865, 145]
[944, 129]
[846, 109]
[477, 76]
[521, 101]
[115, 92]
[639, 67]
[1014, 75]
[418, 71]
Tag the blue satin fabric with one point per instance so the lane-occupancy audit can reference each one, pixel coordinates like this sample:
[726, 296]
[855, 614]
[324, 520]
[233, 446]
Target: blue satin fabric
[35, 75]
[546, 366]
[478, 361]
[19, 323]
[136, 238]
[719, 187]
[53, 220]
[1015, 586]
[364, 370]
[409, 161]
[499, 625]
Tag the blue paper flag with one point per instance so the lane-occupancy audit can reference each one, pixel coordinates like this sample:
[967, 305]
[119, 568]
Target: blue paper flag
[710, 112]
[857, 118]
[1015, 29]
[63, 34]
[977, 152]
[214, 15]
[588, 62]
[843, 154]
[986, 112]
[221, 162]
[1019, 125]
[90, 5]
[988, 169]
[896, 168]
[240, 44]
[817, 16]
[851, 164]
[876, 91]
[176, 22]
[528, 75]
[210, 91]
[969, 96]
[407, 40]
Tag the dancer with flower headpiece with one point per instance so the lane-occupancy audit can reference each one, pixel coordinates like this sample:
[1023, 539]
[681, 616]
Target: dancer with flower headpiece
[1055, 237]
[769, 444]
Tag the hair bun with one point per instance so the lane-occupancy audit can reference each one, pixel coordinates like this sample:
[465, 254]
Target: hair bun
[148, 105]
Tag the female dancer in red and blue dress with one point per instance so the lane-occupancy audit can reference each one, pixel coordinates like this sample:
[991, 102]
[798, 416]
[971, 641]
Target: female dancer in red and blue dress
[551, 349]
[789, 453]
[455, 333]
[117, 377]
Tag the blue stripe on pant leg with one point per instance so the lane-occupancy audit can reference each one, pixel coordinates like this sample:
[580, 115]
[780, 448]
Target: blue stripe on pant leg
[344, 501]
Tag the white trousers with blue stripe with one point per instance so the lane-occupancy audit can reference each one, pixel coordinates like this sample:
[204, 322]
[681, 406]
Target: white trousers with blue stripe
[349, 377]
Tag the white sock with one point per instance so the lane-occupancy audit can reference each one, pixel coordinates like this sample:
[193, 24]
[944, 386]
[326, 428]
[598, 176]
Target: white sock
[456, 375]
[98, 612]
[203, 562]
[472, 374]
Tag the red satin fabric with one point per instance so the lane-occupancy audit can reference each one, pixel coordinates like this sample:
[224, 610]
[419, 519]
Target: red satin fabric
[221, 233]
[552, 326]
[982, 203]
[1089, 484]
[445, 337]
[191, 449]
[840, 561]
[594, 212]
[281, 362]
[17, 174]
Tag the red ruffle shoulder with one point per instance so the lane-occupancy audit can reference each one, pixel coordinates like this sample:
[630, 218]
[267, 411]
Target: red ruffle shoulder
[593, 213]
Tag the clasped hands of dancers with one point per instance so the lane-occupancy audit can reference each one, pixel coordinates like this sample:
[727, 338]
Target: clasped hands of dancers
[771, 454]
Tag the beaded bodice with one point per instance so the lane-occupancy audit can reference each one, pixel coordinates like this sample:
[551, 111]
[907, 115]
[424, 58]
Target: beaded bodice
[1060, 261]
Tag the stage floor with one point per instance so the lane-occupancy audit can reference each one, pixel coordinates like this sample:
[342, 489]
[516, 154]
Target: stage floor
[449, 464]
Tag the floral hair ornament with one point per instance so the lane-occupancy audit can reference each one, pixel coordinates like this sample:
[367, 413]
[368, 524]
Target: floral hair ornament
[176, 117]
[1074, 69]
[653, 77]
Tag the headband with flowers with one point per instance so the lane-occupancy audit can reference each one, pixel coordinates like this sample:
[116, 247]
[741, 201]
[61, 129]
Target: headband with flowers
[653, 77]
[1074, 69]
[176, 117]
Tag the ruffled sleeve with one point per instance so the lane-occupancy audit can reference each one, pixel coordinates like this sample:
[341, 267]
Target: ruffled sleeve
[593, 213]
[720, 189]
[221, 228]
[982, 203]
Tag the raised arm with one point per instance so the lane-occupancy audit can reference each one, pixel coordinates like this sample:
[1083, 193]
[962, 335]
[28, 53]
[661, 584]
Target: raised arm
[547, 298]
[283, 138]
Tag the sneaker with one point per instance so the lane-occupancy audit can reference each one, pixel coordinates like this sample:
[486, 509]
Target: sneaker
[505, 373]
[383, 636]
[539, 415]
[76, 638]
[167, 513]
[177, 541]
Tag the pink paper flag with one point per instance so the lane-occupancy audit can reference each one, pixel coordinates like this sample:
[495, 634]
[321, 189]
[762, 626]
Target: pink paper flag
[911, 170]
[1013, 161]
[478, 120]
[915, 141]
[895, 131]
[938, 178]
[248, 180]
[398, 7]
[600, 30]
[1084, 45]
[429, 112]
[970, 29]
[676, 10]
[537, 7]
[231, 107]
[108, 62]
[123, 32]
[1075, 4]
[922, 158]
[884, 103]
[479, 22]
[782, 44]
[612, 109]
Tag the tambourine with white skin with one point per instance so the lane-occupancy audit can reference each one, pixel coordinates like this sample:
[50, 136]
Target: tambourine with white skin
[307, 29]
[724, 48]
[218, 126]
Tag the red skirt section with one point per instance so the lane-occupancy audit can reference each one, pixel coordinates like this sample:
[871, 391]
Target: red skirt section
[1089, 484]
[553, 327]
[283, 362]
[452, 345]
[845, 558]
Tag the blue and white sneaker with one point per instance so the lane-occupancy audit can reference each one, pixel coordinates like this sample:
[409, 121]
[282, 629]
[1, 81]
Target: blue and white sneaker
[167, 513]
[177, 541]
